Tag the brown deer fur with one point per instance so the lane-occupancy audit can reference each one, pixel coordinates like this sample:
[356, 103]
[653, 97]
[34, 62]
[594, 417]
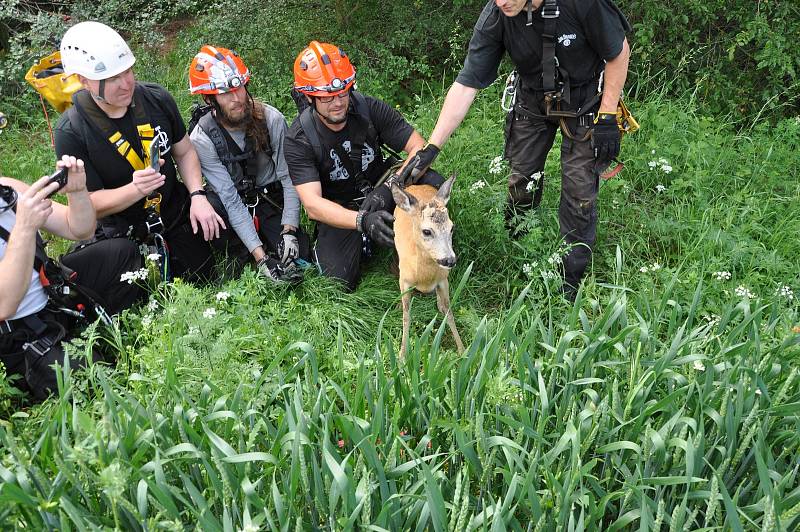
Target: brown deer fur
[423, 238]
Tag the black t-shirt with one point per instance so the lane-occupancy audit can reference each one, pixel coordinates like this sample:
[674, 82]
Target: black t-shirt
[337, 183]
[107, 169]
[587, 32]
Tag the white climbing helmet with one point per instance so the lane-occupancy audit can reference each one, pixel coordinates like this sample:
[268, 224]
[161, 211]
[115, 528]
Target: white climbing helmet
[95, 51]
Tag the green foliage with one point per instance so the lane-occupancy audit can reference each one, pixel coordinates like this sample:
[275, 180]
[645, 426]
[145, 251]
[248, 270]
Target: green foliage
[663, 396]
[666, 397]
[736, 58]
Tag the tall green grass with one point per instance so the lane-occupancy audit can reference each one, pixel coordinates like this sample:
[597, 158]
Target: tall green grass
[666, 398]
[631, 412]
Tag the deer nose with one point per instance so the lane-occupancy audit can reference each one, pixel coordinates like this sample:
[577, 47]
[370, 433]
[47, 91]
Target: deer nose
[447, 262]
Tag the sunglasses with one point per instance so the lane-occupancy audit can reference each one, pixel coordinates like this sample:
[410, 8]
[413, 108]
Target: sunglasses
[329, 99]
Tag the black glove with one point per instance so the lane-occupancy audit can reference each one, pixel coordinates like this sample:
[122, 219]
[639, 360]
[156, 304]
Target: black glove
[272, 270]
[419, 164]
[378, 226]
[379, 199]
[606, 137]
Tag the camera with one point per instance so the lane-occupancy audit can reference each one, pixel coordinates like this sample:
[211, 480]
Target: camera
[60, 177]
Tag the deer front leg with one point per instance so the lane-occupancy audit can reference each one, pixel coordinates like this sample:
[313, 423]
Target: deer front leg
[406, 299]
[443, 302]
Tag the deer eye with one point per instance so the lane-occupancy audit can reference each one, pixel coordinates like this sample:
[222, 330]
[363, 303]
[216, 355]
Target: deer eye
[427, 232]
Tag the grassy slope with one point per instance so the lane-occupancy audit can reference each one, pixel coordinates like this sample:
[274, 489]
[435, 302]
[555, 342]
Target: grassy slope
[663, 397]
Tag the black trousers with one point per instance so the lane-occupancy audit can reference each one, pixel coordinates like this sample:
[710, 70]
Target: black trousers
[528, 141]
[269, 229]
[339, 252]
[99, 267]
[190, 256]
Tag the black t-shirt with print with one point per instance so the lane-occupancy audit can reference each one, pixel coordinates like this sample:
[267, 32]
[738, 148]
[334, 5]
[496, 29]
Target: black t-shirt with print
[587, 33]
[107, 169]
[337, 184]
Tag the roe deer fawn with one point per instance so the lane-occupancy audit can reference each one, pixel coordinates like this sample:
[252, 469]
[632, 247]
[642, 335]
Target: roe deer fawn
[423, 237]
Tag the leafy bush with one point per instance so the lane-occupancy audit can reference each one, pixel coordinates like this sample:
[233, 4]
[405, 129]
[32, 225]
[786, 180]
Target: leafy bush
[734, 57]
[735, 60]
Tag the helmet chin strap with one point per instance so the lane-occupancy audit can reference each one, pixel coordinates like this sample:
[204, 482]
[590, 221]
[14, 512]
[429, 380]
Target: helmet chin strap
[101, 92]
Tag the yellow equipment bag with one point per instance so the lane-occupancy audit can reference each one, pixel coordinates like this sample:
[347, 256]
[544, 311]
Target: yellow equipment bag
[48, 78]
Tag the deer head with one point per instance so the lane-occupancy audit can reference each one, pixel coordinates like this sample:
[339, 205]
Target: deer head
[432, 229]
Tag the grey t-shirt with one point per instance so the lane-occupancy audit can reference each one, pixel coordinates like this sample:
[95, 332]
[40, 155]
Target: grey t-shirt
[270, 170]
[587, 33]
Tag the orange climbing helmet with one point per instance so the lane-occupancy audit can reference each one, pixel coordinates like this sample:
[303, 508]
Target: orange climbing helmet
[217, 70]
[323, 69]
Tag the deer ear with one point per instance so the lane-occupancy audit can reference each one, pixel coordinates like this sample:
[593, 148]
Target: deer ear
[444, 191]
[403, 199]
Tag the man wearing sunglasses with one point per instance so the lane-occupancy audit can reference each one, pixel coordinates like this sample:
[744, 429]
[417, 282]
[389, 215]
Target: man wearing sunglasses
[333, 151]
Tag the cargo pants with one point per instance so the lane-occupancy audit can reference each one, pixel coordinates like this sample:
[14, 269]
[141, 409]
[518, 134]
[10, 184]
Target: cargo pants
[529, 138]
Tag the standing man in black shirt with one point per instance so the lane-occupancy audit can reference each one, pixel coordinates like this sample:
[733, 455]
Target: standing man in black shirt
[333, 150]
[111, 126]
[571, 59]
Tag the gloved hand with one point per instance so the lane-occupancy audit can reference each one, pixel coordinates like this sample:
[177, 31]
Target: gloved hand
[270, 269]
[606, 137]
[419, 164]
[380, 199]
[378, 226]
[288, 246]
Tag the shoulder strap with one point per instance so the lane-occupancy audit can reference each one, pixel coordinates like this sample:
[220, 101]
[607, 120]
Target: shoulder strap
[309, 126]
[135, 153]
[40, 258]
[550, 15]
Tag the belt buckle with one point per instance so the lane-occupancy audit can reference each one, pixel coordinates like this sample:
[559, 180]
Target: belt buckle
[152, 227]
[550, 13]
[36, 348]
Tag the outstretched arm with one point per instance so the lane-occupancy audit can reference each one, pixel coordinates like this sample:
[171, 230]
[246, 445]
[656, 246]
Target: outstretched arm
[614, 76]
[456, 105]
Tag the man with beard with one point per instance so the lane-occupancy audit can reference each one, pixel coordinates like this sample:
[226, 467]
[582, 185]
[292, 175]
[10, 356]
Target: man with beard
[333, 150]
[571, 60]
[240, 145]
[113, 126]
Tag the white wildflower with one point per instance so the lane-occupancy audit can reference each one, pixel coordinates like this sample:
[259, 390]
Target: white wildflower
[663, 161]
[147, 319]
[722, 276]
[527, 269]
[652, 152]
[712, 319]
[153, 257]
[152, 305]
[222, 296]
[193, 331]
[130, 277]
[644, 269]
[535, 177]
[209, 313]
[549, 275]
[666, 168]
[477, 185]
[655, 267]
[785, 291]
[698, 365]
[652, 164]
[497, 165]
[743, 291]
[758, 391]
[660, 188]
[555, 259]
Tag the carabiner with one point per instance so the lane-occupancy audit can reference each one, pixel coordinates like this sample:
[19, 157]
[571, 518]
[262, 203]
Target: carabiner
[509, 93]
